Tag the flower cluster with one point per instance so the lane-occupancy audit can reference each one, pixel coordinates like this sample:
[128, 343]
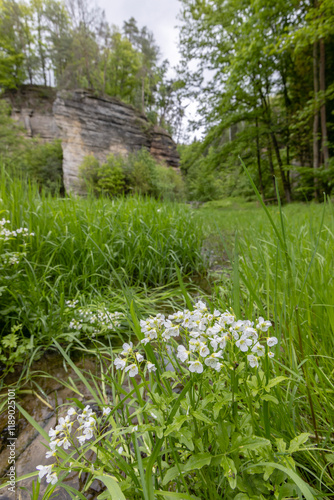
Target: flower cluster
[205, 338]
[12, 258]
[61, 436]
[130, 361]
[96, 319]
[6, 234]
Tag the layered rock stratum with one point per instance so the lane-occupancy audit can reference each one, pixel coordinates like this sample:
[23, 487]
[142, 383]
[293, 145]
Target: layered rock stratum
[88, 125]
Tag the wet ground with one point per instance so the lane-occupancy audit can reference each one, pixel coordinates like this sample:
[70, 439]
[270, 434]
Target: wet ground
[29, 445]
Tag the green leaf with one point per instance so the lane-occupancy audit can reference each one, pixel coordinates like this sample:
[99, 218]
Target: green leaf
[177, 496]
[295, 478]
[198, 415]
[171, 474]
[79, 373]
[268, 397]
[253, 443]
[183, 289]
[176, 425]
[112, 486]
[274, 382]
[230, 471]
[296, 442]
[281, 445]
[33, 422]
[330, 458]
[198, 461]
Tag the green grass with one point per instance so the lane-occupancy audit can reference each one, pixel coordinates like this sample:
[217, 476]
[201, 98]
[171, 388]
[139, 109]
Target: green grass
[105, 250]
[283, 271]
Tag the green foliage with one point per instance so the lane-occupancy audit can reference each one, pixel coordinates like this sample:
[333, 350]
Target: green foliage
[14, 349]
[73, 42]
[206, 439]
[261, 103]
[88, 171]
[141, 172]
[110, 176]
[85, 247]
[43, 162]
[138, 173]
[40, 161]
[13, 37]
[289, 281]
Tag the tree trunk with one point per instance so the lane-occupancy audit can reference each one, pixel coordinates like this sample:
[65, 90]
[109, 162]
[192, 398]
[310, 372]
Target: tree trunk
[285, 178]
[315, 119]
[258, 152]
[322, 82]
[271, 166]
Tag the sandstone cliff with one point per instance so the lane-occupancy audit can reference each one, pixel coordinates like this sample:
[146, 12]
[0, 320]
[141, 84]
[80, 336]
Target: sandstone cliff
[87, 124]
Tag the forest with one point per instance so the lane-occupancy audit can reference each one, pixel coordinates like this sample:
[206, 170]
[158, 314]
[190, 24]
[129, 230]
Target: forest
[168, 332]
[261, 73]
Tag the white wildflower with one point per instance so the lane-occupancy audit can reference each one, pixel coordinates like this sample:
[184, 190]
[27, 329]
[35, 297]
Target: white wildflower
[43, 470]
[263, 325]
[271, 341]
[244, 343]
[195, 366]
[182, 353]
[151, 367]
[52, 478]
[120, 363]
[253, 360]
[132, 369]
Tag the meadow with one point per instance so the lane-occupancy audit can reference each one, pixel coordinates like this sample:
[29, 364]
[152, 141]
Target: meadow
[161, 427]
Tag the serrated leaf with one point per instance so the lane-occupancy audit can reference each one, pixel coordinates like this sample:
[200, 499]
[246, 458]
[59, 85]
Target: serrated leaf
[216, 408]
[169, 374]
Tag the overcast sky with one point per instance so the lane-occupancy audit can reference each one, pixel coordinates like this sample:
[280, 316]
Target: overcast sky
[158, 15]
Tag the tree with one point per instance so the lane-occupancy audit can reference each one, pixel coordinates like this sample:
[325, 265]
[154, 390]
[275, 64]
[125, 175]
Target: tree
[253, 77]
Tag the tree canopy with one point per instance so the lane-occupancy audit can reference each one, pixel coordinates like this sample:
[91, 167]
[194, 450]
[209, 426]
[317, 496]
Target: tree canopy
[265, 87]
[69, 44]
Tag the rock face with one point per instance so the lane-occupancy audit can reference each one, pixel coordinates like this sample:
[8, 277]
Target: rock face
[87, 124]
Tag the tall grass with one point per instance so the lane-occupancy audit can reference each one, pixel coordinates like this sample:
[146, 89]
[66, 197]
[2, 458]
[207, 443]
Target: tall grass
[280, 265]
[92, 247]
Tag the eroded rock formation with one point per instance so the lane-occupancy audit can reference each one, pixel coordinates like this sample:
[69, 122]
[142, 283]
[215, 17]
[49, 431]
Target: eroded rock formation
[87, 124]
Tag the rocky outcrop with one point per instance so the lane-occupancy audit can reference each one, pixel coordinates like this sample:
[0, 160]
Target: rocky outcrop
[31, 106]
[87, 124]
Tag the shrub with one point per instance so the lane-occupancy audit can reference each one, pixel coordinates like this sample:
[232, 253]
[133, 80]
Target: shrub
[169, 184]
[111, 178]
[44, 164]
[141, 173]
[138, 173]
[88, 172]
